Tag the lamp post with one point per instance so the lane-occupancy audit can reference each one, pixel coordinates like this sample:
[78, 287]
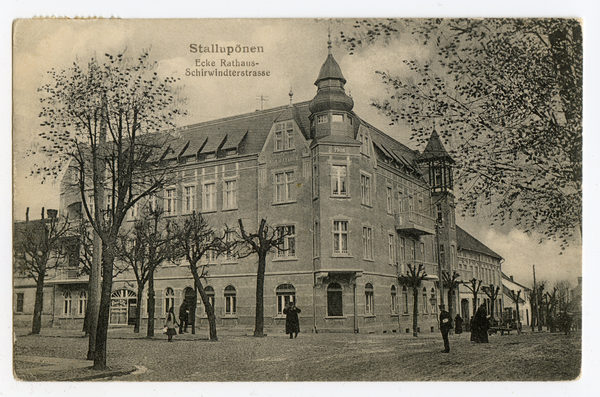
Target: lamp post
[437, 239]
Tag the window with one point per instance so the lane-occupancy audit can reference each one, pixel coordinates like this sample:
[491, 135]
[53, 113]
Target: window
[67, 303]
[210, 256]
[437, 177]
[365, 148]
[20, 302]
[210, 293]
[394, 300]
[230, 255]
[400, 202]
[391, 249]
[340, 237]
[230, 301]
[389, 200]
[365, 189]
[337, 118]
[189, 199]
[229, 195]
[404, 300]
[322, 119]
[284, 136]
[209, 197]
[334, 300]
[283, 186]
[133, 212]
[151, 204]
[169, 299]
[170, 208]
[453, 255]
[316, 240]
[288, 248]
[82, 303]
[412, 250]
[367, 243]
[425, 302]
[338, 180]
[285, 293]
[369, 309]
[442, 256]
[433, 301]
[422, 252]
[402, 249]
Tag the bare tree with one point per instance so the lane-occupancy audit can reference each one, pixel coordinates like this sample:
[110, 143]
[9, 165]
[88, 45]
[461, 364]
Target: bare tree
[102, 121]
[193, 240]
[492, 293]
[266, 239]
[451, 282]
[413, 279]
[515, 297]
[38, 249]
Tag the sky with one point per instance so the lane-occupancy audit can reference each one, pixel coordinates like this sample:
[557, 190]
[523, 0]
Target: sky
[293, 52]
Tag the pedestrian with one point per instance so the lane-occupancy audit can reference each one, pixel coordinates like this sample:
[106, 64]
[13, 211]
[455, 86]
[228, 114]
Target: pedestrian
[292, 324]
[183, 318]
[171, 322]
[458, 324]
[479, 331]
[445, 327]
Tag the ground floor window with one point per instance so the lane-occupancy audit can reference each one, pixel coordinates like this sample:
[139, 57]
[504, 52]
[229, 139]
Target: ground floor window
[82, 303]
[405, 300]
[67, 303]
[369, 310]
[286, 293]
[169, 299]
[334, 300]
[230, 300]
[433, 301]
[425, 303]
[20, 302]
[394, 300]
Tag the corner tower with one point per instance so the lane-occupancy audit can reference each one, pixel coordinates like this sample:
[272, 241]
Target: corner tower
[330, 108]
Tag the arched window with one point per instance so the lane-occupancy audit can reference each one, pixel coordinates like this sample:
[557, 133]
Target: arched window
[404, 300]
[169, 299]
[369, 309]
[82, 303]
[210, 292]
[394, 300]
[334, 300]
[425, 302]
[67, 303]
[285, 293]
[434, 301]
[230, 300]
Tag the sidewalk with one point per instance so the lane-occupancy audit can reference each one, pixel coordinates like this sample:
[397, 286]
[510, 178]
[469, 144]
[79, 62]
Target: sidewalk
[36, 368]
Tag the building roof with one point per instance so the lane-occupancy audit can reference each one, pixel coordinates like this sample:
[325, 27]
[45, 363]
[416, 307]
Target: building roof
[435, 149]
[330, 70]
[505, 277]
[467, 242]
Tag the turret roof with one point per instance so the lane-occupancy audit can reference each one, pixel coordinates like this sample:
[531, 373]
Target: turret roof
[435, 149]
[330, 70]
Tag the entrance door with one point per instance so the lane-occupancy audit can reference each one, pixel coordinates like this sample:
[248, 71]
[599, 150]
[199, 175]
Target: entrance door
[132, 311]
[120, 306]
[464, 309]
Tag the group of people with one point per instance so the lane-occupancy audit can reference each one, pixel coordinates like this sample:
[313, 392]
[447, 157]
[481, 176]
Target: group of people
[292, 323]
[479, 326]
[184, 314]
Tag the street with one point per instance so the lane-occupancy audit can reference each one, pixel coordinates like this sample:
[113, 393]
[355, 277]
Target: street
[318, 357]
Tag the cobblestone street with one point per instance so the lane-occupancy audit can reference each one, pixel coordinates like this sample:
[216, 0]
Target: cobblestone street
[311, 357]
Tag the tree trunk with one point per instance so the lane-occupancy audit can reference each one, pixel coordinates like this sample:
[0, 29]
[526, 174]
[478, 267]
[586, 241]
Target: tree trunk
[260, 284]
[104, 310]
[210, 312]
[138, 313]
[151, 304]
[451, 302]
[95, 293]
[86, 318]
[36, 326]
[415, 311]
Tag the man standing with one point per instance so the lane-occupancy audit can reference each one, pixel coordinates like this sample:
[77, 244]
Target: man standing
[183, 318]
[445, 327]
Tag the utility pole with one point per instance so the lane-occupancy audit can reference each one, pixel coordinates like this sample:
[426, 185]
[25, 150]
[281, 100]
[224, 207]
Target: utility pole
[437, 238]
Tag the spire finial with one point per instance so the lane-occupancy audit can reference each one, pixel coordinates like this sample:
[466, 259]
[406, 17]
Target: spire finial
[329, 39]
[291, 94]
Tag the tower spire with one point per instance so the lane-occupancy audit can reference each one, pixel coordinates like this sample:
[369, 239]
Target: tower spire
[329, 40]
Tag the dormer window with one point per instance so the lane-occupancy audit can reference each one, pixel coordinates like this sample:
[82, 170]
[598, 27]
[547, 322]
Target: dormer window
[322, 119]
[284, 136]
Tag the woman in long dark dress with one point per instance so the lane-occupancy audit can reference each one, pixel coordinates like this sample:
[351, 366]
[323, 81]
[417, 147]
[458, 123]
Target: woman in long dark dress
[292, 324]
[458, 324]
[481, 324]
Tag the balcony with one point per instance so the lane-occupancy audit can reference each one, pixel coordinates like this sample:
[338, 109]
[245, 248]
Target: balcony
[67, 275]
[430, 268]
[415, 223]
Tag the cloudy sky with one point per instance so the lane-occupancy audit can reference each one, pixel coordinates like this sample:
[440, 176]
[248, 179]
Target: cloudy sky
[294, 51]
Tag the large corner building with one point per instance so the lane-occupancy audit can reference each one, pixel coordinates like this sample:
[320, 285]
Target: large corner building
[359, 206]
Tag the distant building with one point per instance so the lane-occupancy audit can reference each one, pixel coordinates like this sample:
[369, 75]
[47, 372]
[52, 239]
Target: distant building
[360, 206]
[510, 291]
